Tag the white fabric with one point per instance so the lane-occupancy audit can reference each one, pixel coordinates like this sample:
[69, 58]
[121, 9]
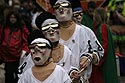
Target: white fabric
[78, 44]
[59, 75]
[2, 72]
[65, 62]
[28, 62]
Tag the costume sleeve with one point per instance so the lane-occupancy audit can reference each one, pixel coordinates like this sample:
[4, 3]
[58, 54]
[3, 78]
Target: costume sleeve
[96, 47]
[22, 80]
[91, 44]
[26, 77]
[26, 64]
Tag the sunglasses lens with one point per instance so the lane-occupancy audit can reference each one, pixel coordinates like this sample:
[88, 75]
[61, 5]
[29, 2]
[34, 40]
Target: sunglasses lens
[81, 13]
[75, 14]
[64, 4]
[56, 6]
[52, 25]
[42, 45]
[55, 25]
[44, 28]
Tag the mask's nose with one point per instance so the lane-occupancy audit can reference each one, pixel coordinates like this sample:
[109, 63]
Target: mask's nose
[61, 9]
[51, 30]
[79, 16]
[39, 51]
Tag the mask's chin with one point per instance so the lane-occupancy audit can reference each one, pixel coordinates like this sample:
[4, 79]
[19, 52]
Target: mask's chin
[41, 60]
[63, 19]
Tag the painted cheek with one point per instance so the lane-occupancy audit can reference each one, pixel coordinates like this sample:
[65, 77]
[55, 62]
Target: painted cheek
[43, 52]
[33, 56]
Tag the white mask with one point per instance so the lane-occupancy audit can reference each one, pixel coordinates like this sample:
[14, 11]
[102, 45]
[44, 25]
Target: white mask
[77, 16]
[63, 12]
[52, 34]
[40, 50]
[50, 28]
[40, 56]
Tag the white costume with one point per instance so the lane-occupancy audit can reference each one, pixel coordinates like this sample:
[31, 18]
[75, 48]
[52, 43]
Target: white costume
[65, 62]
[27, 63]
[59, 75]
[81, 42]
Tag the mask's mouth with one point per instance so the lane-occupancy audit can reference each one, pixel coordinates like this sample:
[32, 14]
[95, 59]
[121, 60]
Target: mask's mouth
[37, 58]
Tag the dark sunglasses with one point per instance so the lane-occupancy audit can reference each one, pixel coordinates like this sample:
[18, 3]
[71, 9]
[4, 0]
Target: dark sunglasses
[51, 25]
[40, 45]
[76, 14]
[63, 4]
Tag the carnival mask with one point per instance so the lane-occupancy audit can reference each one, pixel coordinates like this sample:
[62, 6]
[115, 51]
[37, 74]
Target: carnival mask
[77, 16]
[52, 32]
[63, 11]
[40, 52]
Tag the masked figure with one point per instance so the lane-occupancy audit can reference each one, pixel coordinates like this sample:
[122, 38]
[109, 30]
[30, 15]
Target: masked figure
[44, 70]
[80, 39]
[77, 15]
